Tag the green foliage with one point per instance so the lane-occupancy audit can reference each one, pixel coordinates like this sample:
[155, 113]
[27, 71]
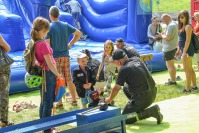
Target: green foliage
[171, 5]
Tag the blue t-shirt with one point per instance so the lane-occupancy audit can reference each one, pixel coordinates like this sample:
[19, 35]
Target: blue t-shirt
[59, 34]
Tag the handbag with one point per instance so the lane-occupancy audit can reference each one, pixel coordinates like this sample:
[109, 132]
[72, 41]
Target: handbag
[5, 60]
[151, 42]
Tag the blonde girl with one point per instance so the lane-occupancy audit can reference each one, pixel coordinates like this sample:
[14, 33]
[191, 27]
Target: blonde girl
[109, 68]
[43, 54]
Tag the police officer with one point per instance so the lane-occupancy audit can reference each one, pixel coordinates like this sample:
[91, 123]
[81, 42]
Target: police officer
[139, 88]
[128, 49]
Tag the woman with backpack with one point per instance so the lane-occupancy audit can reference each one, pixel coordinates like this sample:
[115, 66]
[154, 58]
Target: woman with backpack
[187, 48]
[43, 55]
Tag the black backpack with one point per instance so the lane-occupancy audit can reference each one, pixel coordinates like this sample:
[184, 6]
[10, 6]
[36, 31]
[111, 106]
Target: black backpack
[94, 65]
[195, 43]
[29, 58]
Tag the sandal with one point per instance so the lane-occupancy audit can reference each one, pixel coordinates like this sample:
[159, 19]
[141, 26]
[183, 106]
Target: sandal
[17, 107]
[24, 105]
[59, 106]
[74, 103]
[6, 123]
[31, 106]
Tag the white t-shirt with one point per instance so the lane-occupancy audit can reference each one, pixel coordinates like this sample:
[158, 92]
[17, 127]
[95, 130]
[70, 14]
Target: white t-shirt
[172, 31]
[74, 5]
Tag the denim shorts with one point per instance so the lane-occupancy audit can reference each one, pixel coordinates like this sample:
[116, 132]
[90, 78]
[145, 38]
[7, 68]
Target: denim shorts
[87, 98]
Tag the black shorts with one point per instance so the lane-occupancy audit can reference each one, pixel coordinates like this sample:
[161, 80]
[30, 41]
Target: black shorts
[169, 55]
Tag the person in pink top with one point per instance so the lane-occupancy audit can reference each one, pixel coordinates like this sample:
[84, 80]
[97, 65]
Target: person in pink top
[196, 31]
[43, 55]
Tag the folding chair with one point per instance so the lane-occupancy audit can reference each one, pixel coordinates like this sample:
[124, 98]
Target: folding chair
[146, 57]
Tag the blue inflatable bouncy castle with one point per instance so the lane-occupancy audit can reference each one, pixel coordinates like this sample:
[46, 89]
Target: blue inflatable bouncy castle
[100, 20]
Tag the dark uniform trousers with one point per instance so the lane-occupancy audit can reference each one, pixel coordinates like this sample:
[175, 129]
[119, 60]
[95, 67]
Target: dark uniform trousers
[138, 102]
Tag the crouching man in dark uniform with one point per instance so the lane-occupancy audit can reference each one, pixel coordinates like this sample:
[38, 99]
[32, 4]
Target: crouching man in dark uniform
[139, 88]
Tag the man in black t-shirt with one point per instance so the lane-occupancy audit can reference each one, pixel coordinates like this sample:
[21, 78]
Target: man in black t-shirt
[139, 88]
[128, 49]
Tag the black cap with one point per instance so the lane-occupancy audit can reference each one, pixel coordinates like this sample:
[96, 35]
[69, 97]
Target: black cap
[118, 54]
[118, 40]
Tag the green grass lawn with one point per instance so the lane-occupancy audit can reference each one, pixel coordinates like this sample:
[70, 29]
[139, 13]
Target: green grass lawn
[164, 93]
[171, 5]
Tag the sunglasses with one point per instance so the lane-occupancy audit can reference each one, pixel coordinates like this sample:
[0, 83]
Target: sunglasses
[181, 17]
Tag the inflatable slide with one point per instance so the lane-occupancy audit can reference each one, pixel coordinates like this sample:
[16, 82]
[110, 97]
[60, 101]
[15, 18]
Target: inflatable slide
[100, 20]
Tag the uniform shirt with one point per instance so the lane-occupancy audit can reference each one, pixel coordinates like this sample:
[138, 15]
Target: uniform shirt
[134, 74]
[171, 31]
[58, 34]
[130, 51]
[41, 49]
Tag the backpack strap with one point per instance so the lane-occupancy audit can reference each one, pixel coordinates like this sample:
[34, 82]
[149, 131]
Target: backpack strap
[32, 49]
[43, 70]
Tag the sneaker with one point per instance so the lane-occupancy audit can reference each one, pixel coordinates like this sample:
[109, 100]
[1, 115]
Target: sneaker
[170, 83]
[178, 78]
[186, 91]
[194, 88]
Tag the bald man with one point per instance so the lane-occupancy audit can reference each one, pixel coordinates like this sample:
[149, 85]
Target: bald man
[170, 41]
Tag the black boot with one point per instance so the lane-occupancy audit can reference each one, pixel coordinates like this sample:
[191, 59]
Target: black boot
[153, 111]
